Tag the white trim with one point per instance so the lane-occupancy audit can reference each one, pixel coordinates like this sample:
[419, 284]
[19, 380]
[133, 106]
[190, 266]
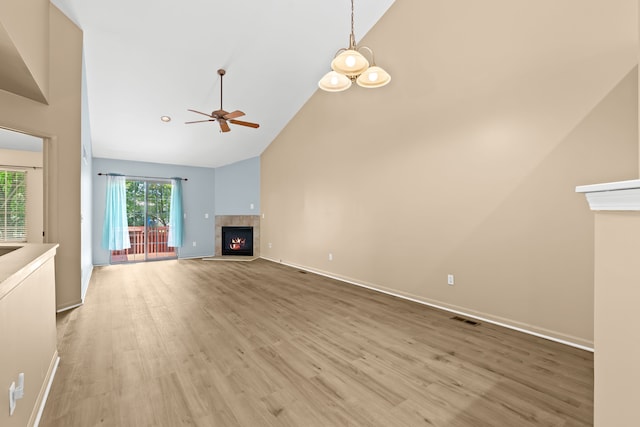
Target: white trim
[195, 257]
[46, 393]
[613, 196]
[397, 295]
[609, 186]
[60, 310]
[615, 200]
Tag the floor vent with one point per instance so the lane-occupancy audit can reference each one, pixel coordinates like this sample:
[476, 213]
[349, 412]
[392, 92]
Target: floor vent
[462, 319]
[303, 272]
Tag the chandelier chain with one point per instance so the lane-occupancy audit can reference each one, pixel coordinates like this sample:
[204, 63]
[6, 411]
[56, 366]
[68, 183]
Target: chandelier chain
[352, 20]
[352, 38]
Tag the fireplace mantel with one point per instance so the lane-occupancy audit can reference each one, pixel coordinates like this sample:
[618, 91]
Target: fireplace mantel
[613, 196]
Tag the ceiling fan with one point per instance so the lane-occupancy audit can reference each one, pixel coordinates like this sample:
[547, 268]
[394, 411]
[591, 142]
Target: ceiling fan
[221, 116]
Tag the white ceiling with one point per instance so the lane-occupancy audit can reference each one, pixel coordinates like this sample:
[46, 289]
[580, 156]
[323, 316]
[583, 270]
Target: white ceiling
[145, 59]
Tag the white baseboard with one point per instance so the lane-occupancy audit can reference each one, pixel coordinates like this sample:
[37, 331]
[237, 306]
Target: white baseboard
[46, 392]
[60, 310]
[195, 257]
[434, 305]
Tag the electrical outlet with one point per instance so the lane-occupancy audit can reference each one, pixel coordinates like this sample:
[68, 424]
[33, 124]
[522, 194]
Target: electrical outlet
[330, 257]
[206, 216]
[270, 245]
[251, 206]
[194, 244]
[450, 281]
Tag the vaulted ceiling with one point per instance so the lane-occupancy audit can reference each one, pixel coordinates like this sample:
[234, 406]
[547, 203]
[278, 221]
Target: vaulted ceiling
[145, 59]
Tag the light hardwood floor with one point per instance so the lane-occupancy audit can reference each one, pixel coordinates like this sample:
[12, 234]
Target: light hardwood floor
[204, 343]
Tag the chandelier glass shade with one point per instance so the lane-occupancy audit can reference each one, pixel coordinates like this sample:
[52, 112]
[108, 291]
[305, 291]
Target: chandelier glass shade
[373, 76]
[351, 65]
[334, 82]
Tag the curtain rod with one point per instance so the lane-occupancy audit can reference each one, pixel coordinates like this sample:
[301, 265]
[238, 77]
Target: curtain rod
[20, 167]
[143, 177]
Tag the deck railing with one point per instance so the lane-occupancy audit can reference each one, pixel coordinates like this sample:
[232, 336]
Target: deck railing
[156, 244]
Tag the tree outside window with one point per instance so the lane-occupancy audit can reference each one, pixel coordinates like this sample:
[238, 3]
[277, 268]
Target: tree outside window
[13, 206]
[157, 198]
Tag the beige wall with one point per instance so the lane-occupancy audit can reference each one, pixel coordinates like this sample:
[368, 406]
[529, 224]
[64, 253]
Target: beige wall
[35, 190]
[24, 45]
[466, 163]
[60, 123]
[617, 349]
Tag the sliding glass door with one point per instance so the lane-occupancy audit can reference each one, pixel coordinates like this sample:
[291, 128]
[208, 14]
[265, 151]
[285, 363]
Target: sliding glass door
[148, 207]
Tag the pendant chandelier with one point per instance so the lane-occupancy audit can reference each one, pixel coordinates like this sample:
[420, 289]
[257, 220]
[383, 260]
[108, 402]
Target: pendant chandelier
[349, 64]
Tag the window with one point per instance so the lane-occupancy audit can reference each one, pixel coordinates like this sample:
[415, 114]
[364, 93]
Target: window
[13, 206]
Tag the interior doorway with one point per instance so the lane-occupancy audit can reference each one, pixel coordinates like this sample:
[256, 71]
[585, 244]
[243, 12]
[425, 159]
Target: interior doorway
[23, 153]
[148, 209]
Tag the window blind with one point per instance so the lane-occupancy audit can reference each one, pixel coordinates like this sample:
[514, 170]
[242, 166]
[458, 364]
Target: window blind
[13, 206]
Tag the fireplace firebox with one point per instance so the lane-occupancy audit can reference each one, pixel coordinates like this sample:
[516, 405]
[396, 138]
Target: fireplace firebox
[237, 241]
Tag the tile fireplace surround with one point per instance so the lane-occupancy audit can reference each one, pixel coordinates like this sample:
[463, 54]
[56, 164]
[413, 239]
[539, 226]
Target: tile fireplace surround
[238, 221]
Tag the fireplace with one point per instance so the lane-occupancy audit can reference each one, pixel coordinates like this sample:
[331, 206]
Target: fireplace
[237, 221]
[237, 241]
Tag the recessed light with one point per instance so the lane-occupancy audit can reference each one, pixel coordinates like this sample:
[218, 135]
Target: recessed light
[165, 118]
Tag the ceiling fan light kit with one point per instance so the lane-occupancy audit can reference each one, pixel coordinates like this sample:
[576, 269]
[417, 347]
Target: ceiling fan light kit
[349, 64]
[223, 117]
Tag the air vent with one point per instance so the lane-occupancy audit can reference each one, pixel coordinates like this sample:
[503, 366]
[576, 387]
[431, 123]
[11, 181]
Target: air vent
[462, 319]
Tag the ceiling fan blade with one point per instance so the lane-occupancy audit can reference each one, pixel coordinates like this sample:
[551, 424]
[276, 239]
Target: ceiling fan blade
[200, 112]
[233, 114]
[200, 121]
[223, 125]
[241, 123]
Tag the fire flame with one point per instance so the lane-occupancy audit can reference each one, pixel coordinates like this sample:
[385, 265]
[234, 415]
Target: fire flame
[237, 243]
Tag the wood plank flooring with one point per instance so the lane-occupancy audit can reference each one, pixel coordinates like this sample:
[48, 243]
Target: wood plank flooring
[191, 342]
